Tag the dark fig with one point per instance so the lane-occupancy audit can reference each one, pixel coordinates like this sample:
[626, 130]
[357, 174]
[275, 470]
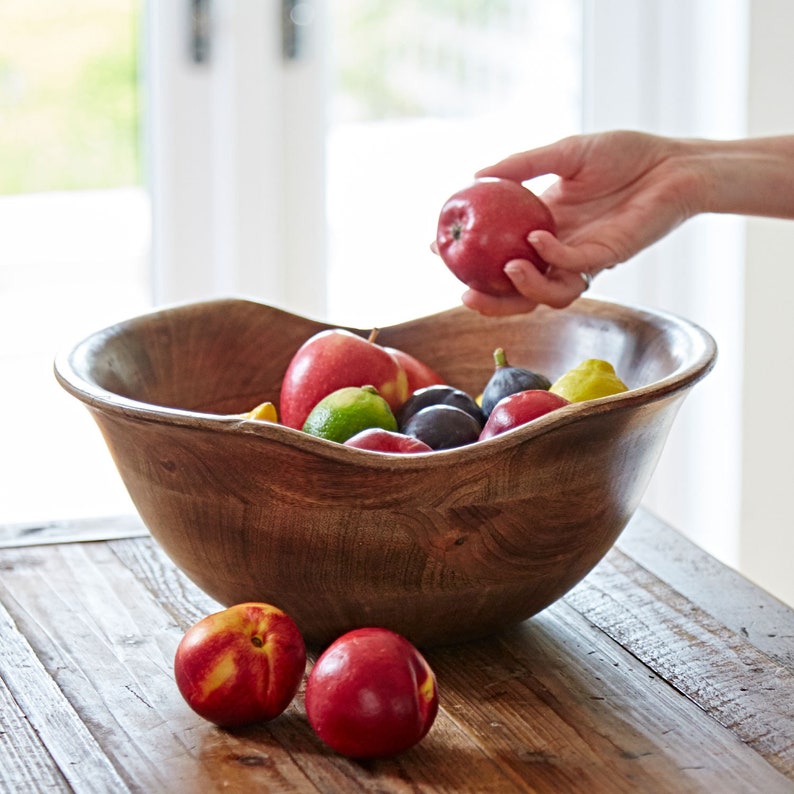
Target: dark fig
[507, 380]
[443, 427]
[439, 395]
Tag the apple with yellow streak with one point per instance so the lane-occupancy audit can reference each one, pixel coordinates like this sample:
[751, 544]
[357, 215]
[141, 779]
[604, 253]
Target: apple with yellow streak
[371, 694]
[241, 665]
[335, 359]
[420, 375]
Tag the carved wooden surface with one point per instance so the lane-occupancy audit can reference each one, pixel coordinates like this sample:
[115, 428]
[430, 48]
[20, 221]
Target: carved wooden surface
[663, 671]
[256, 511]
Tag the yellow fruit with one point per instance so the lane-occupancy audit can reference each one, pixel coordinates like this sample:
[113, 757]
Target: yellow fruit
[592, 379]
[264, 412]
[348, 411]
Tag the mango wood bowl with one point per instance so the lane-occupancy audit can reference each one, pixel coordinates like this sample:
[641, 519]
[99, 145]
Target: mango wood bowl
[441, 547]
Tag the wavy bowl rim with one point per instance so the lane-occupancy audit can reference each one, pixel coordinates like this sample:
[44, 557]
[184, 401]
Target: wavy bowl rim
[94, 396]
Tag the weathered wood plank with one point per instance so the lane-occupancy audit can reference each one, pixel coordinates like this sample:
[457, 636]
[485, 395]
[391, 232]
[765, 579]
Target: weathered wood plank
[709, 755]
[25, 765]
[110, 647]
[577, 699]
[70, 745]
[719, 590]
[561, 705]
[448, 758]
[729, 678]
[38, 533]
[111, 643]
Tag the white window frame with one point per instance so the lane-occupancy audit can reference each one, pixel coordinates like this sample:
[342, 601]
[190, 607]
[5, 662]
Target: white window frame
[237, 207]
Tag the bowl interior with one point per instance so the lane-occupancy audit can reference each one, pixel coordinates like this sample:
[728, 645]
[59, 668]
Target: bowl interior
[226, 356]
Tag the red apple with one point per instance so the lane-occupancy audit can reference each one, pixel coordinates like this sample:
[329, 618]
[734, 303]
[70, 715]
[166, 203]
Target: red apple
[420, 375]
[335, 359]
[518, 409]
[241, 665]
[371, 694]
[485, 225]
[377, 440]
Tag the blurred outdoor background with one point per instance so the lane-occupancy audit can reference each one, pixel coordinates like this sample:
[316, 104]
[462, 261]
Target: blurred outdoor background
[74, 237]
[75, 202]
[298, 153]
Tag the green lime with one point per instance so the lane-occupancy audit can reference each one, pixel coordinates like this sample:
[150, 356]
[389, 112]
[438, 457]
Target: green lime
[348, 411]
[592, 379]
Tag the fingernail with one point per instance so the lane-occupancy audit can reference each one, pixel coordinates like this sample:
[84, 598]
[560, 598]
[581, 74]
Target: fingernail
[514, 271]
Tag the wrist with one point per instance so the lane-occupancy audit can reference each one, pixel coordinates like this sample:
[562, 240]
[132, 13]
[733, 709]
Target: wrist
[754, 176]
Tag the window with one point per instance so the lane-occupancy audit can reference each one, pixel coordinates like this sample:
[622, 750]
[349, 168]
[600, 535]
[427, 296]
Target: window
[76, 82]
[74, 239]
[421, 95]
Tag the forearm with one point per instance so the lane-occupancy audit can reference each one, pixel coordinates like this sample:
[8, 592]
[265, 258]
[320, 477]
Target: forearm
[754, 176]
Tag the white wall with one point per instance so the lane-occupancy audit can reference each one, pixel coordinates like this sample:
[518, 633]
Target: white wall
[664, 66]
[715, 68]
[767, 526]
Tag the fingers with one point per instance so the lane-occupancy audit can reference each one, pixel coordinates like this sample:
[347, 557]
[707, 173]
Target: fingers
[559, 286]
[555, 288]
[555, 158]
[518, 167]
[586, 257]
[491, 306]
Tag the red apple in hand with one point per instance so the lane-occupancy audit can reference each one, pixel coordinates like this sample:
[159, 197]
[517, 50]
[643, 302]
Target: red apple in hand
[518, 409]
[371, 694]
[420, 375]
[335, 359]
[241, 665]
[485, 225]
[376, 439]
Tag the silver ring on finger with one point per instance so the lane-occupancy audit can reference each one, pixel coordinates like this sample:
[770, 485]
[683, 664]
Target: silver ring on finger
[587, 278]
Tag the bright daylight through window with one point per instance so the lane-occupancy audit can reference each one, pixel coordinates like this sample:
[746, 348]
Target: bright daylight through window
[420, 94]
[424, 94]
[74, 240]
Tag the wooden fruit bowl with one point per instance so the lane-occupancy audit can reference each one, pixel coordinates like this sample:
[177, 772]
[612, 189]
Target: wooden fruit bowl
[441, 547]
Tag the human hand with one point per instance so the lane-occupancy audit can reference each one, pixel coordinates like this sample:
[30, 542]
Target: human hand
[618, 192]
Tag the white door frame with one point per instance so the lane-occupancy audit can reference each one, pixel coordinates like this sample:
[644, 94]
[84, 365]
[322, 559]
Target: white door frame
[238, 208]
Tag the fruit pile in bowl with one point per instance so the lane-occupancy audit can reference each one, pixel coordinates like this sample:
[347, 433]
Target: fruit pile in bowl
[439, 547]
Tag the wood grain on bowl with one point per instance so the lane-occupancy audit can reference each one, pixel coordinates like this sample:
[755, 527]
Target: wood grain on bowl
[441, 546]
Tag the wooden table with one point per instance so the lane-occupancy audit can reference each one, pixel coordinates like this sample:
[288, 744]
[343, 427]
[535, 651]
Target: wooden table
[663, 671]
